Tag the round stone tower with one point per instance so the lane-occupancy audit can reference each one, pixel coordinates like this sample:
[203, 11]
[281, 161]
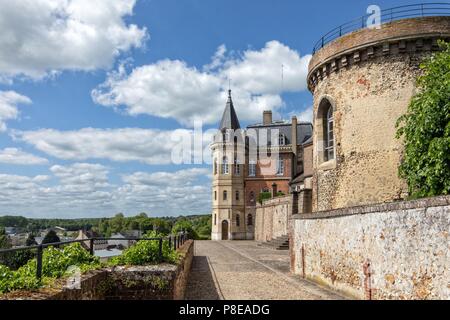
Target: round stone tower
[362, 83]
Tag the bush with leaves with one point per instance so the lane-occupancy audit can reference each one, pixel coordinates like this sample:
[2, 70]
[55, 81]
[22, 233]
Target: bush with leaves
[146, 252]
[55, 263]
[426, 129]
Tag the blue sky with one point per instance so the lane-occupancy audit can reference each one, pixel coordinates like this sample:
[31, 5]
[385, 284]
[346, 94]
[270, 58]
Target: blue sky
[92, 91]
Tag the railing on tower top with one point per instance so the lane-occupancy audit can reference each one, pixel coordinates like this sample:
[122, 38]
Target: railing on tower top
[174, 241]
[387, 15]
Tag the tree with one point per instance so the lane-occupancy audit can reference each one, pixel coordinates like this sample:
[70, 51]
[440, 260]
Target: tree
[185, 225]
[117, 223]
[51, 237]
[426, 129]
[31, 241]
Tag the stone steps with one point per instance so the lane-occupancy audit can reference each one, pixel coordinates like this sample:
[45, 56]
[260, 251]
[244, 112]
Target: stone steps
[280, 243]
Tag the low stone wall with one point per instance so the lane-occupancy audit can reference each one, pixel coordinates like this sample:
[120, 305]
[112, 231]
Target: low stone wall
[272, 218]
[153, 282]
[397, 250]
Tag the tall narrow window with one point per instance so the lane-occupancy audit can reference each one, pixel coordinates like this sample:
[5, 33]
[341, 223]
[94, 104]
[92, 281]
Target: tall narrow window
[280, 167]
[252, 169]
[215, 166]
[215, 219]
[225, 165]
[237, 195]
[238, 220]
[237, 168]
[249, 220]
[225, 195]
[329, 136]
[252, 197]
[215, 195]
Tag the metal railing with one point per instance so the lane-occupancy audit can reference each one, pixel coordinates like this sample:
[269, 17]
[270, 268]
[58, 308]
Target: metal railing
[387, 15]
[174, 241]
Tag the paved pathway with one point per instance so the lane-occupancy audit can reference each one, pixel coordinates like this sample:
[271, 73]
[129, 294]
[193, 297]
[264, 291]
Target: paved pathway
[243, 270]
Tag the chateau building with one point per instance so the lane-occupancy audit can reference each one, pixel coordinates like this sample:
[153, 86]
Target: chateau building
[249, 163]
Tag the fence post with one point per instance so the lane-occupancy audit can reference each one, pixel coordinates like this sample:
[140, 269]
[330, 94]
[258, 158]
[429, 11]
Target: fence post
[170, 241]
[39, 262]
[91, 246]
[160, 248]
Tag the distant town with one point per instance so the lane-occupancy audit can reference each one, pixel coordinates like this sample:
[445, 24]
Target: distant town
[17, 231]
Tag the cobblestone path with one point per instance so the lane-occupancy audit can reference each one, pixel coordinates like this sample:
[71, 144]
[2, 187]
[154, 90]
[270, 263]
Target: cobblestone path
[243, 270]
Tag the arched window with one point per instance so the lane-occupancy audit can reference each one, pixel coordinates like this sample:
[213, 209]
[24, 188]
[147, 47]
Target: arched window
[249, 220]
[237, 195]
[329, 136]
[225, 195]
[225, 165]
[281, 139]
[238, 220]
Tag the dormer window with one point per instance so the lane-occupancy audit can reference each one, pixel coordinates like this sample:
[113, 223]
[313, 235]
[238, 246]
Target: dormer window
[281, 140]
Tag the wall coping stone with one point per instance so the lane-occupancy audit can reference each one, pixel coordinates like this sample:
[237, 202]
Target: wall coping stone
[381, 207]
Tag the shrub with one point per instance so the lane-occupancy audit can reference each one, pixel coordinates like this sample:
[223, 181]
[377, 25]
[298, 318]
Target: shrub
[264, 196]
[55, 263]
[146, 252]
[426, 130]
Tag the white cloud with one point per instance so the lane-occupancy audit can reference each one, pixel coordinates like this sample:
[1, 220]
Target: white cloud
[83, 190]
[17, 156]
[306, 115]
[149, 146]
[9, 101]
[41, 37]
[172, 89]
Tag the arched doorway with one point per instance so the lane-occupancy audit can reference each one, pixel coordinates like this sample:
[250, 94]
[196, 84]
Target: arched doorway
[224, 230]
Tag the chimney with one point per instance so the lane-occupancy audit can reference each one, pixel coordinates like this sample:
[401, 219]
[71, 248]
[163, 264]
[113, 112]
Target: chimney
[267, 117]
[294, 146]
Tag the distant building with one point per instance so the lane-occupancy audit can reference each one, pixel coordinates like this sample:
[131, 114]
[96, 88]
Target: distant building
[89, 234]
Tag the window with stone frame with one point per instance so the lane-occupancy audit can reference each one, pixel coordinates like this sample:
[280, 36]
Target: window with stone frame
[237, 168]
[225, 195]
[215, 166]
[237, 195]
[281, 139]
[280, 167]
[225, 166]
[249, 219]
[238, 220]
[252, 168]
[329, 134]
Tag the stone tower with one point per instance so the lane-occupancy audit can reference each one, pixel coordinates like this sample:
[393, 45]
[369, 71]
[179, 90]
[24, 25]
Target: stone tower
[362, 83]
[228, 152]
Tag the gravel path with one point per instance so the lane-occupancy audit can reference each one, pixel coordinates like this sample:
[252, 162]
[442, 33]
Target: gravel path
[243, 270]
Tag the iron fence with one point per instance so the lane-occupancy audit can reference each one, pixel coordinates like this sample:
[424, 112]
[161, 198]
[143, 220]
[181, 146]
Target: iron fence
[174, 241]
[387, 15]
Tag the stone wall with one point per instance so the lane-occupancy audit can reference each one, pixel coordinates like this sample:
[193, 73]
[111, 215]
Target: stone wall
[272, 218]
[153, 282]
[397, 250]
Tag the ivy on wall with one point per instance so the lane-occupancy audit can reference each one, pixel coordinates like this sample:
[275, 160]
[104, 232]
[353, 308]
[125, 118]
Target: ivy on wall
[426, 129]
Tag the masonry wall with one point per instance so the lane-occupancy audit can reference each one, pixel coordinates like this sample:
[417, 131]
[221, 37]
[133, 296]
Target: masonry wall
[391, 251]
[272, 218]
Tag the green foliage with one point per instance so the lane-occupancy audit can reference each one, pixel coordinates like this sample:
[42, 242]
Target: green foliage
[31, 241]
[185, 225]
[55, 263]
[146, 252]
[264, 196]
[426, 130]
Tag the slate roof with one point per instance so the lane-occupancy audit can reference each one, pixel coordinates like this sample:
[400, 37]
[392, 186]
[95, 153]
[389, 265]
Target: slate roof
[229, 117]
[304, 130]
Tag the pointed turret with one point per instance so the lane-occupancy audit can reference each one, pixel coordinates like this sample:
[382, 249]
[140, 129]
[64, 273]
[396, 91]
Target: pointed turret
[229, 117]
